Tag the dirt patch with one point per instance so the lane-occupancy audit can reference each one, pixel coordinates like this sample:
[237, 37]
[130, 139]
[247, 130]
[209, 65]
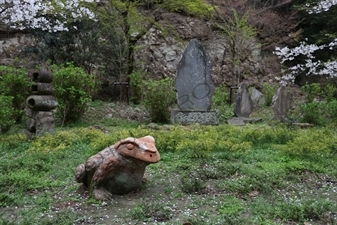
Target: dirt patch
[115, 110]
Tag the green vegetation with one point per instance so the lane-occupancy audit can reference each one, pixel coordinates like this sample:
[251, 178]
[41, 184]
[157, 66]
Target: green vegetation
[196, 8]
[158, 96]
[7, 113]
[269, 90]
[136, 80]
[256, 174]
[72, 89]
[14, 86]
[320, 105]
[220, 101]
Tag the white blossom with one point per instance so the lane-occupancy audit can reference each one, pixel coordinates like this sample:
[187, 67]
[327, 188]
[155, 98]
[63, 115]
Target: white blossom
[23, 14]
[323, 5]
[311, 66]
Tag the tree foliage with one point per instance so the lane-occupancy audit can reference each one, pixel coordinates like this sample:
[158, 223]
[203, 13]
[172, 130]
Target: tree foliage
[276, 22]
[124, 18]
[91, 46]
[241, 40]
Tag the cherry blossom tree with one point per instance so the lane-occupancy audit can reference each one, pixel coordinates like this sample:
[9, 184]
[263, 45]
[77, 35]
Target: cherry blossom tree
[323, 5]
[38, 14]
[311, 65]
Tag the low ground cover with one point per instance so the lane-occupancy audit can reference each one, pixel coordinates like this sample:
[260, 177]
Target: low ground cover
[256, 174]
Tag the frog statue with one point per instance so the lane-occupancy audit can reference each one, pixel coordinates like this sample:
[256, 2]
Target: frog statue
[118, 169]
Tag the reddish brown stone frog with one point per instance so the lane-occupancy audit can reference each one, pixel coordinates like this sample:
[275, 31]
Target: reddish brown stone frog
[118, 169]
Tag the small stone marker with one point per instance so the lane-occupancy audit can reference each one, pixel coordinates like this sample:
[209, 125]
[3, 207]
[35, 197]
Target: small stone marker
[194, 84]
[244, 104]
[257, 97]
[281, 102]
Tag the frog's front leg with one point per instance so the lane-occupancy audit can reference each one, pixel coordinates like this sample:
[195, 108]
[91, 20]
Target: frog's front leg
[85, 172]
[101, 177]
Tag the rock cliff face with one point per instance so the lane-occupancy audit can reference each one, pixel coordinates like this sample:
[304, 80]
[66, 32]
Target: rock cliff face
[161, 50]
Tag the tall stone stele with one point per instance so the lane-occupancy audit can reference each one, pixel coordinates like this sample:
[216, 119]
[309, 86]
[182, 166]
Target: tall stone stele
[194, 87]
[40, 105]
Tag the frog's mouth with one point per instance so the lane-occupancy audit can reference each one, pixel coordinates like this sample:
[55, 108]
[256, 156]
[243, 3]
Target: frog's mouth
[150, 156]
[145, 157]
[155, 157]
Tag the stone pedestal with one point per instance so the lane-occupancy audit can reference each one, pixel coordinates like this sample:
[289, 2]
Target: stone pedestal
[183, 117]
[39, 123]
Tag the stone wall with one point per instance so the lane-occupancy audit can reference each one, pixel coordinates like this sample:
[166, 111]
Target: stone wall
[12, 42]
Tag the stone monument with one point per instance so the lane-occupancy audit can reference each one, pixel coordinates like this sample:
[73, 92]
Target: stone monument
[118, 169]
[194, 87]
[40, 105]
[281, 102]
[244, 104]
[243, 107]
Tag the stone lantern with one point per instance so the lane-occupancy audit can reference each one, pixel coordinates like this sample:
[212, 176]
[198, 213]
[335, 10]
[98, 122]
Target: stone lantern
[40, 105]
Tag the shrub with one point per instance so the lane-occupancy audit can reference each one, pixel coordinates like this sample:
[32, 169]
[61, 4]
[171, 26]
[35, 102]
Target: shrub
[320, 106]
[14, 82]
[72, 88]
[319, 92]
[269, 92]
[269, 135]
[312, 91]
[62, 140]
[158, 96]
[318, 113]
[311, 141]
[312, 112]
[135, 84]
[7, 113]
[220, 101]
[329, 92]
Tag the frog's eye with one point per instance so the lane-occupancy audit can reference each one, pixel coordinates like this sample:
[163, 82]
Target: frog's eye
[130, 146]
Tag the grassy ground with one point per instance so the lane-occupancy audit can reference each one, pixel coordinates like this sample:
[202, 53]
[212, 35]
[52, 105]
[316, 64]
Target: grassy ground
[255, 174]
